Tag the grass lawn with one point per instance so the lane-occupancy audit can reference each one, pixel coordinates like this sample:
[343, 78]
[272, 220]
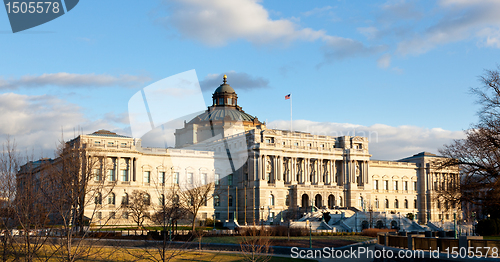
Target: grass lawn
[317, 241]
[137, 254]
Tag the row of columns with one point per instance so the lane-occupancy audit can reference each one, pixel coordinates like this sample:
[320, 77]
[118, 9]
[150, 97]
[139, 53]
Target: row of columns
[131, 168]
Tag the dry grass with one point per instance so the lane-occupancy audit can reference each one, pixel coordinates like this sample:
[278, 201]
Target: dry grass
[107, 254]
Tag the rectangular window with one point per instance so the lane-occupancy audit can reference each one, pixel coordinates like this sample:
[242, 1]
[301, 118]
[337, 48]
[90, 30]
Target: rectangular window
[125, 175]
[176, 178]
[111, 175]
[230, 179]
[147, 176]
[221, 101]
[230, 101]
[217, 179]
[97, 175]
[99, 215]
[296, 143]
[190, 178]
[124, 144]
[111, 143]
[405, 186]
[386, 184]
[415, 186]
[217, 215]
[376, 184]
[112, 215]
[204, 179]
[161, 177]
[97, 143]
[395, 185]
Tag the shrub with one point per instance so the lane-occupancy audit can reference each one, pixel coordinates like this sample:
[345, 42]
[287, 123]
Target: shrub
[372, 232]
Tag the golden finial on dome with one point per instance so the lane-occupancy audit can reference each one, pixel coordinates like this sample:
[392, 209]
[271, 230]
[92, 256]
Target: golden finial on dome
[225, 79]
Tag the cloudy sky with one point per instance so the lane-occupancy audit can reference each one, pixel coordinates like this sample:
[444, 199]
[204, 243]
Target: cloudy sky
[396, 71]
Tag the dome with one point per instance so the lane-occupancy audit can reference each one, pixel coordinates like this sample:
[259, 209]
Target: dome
[225, 107]
[219, 114]
[225, 88]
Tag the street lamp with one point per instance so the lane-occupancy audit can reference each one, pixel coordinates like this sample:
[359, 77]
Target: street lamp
[310, 234]
[170, 232]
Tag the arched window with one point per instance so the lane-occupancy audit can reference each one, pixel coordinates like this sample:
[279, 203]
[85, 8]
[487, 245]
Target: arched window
[406, 203]
[271, 200]
[376, 203]
[331, 201]
[147, 199]
[111, 198]
[216, 201]
[98, 199]
[340, 202]
[361, 204]
[161, 200]
[230, 201]
[396, 203]
[386, 203]
[125, 199]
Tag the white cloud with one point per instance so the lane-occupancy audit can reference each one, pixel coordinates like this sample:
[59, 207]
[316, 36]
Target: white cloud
[384, 61]
[241, 80]
[218, 22]
[370, 32]
[72, 80]
[317, 10]
[461, 20]
[386, 142]
[38, 122]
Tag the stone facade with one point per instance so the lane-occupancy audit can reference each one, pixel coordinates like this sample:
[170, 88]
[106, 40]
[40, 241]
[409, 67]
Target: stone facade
[263, 175]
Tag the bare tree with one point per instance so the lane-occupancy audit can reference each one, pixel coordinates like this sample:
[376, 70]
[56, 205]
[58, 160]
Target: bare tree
[478, 155]
[194, 196]
[71, 187]
[255, 244]
[138, 207]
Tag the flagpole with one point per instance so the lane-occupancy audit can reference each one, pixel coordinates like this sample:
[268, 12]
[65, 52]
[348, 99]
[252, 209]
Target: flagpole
[291, 127]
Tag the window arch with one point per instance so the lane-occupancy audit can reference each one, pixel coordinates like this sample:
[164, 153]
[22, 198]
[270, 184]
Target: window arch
[111, 198]
[271, 200]
[216, 201]
[386, 203]
[98, 199]
[406, 203]
[161, 200]
[396, 203]
[125, 199]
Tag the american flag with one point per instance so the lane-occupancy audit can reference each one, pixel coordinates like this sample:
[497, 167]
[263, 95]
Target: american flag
[287, 97]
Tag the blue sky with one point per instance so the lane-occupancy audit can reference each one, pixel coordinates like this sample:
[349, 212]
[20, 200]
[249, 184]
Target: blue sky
[402, 69]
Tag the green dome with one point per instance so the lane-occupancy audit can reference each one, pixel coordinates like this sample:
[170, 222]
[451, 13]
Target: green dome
[224, 88]
[223, 113]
